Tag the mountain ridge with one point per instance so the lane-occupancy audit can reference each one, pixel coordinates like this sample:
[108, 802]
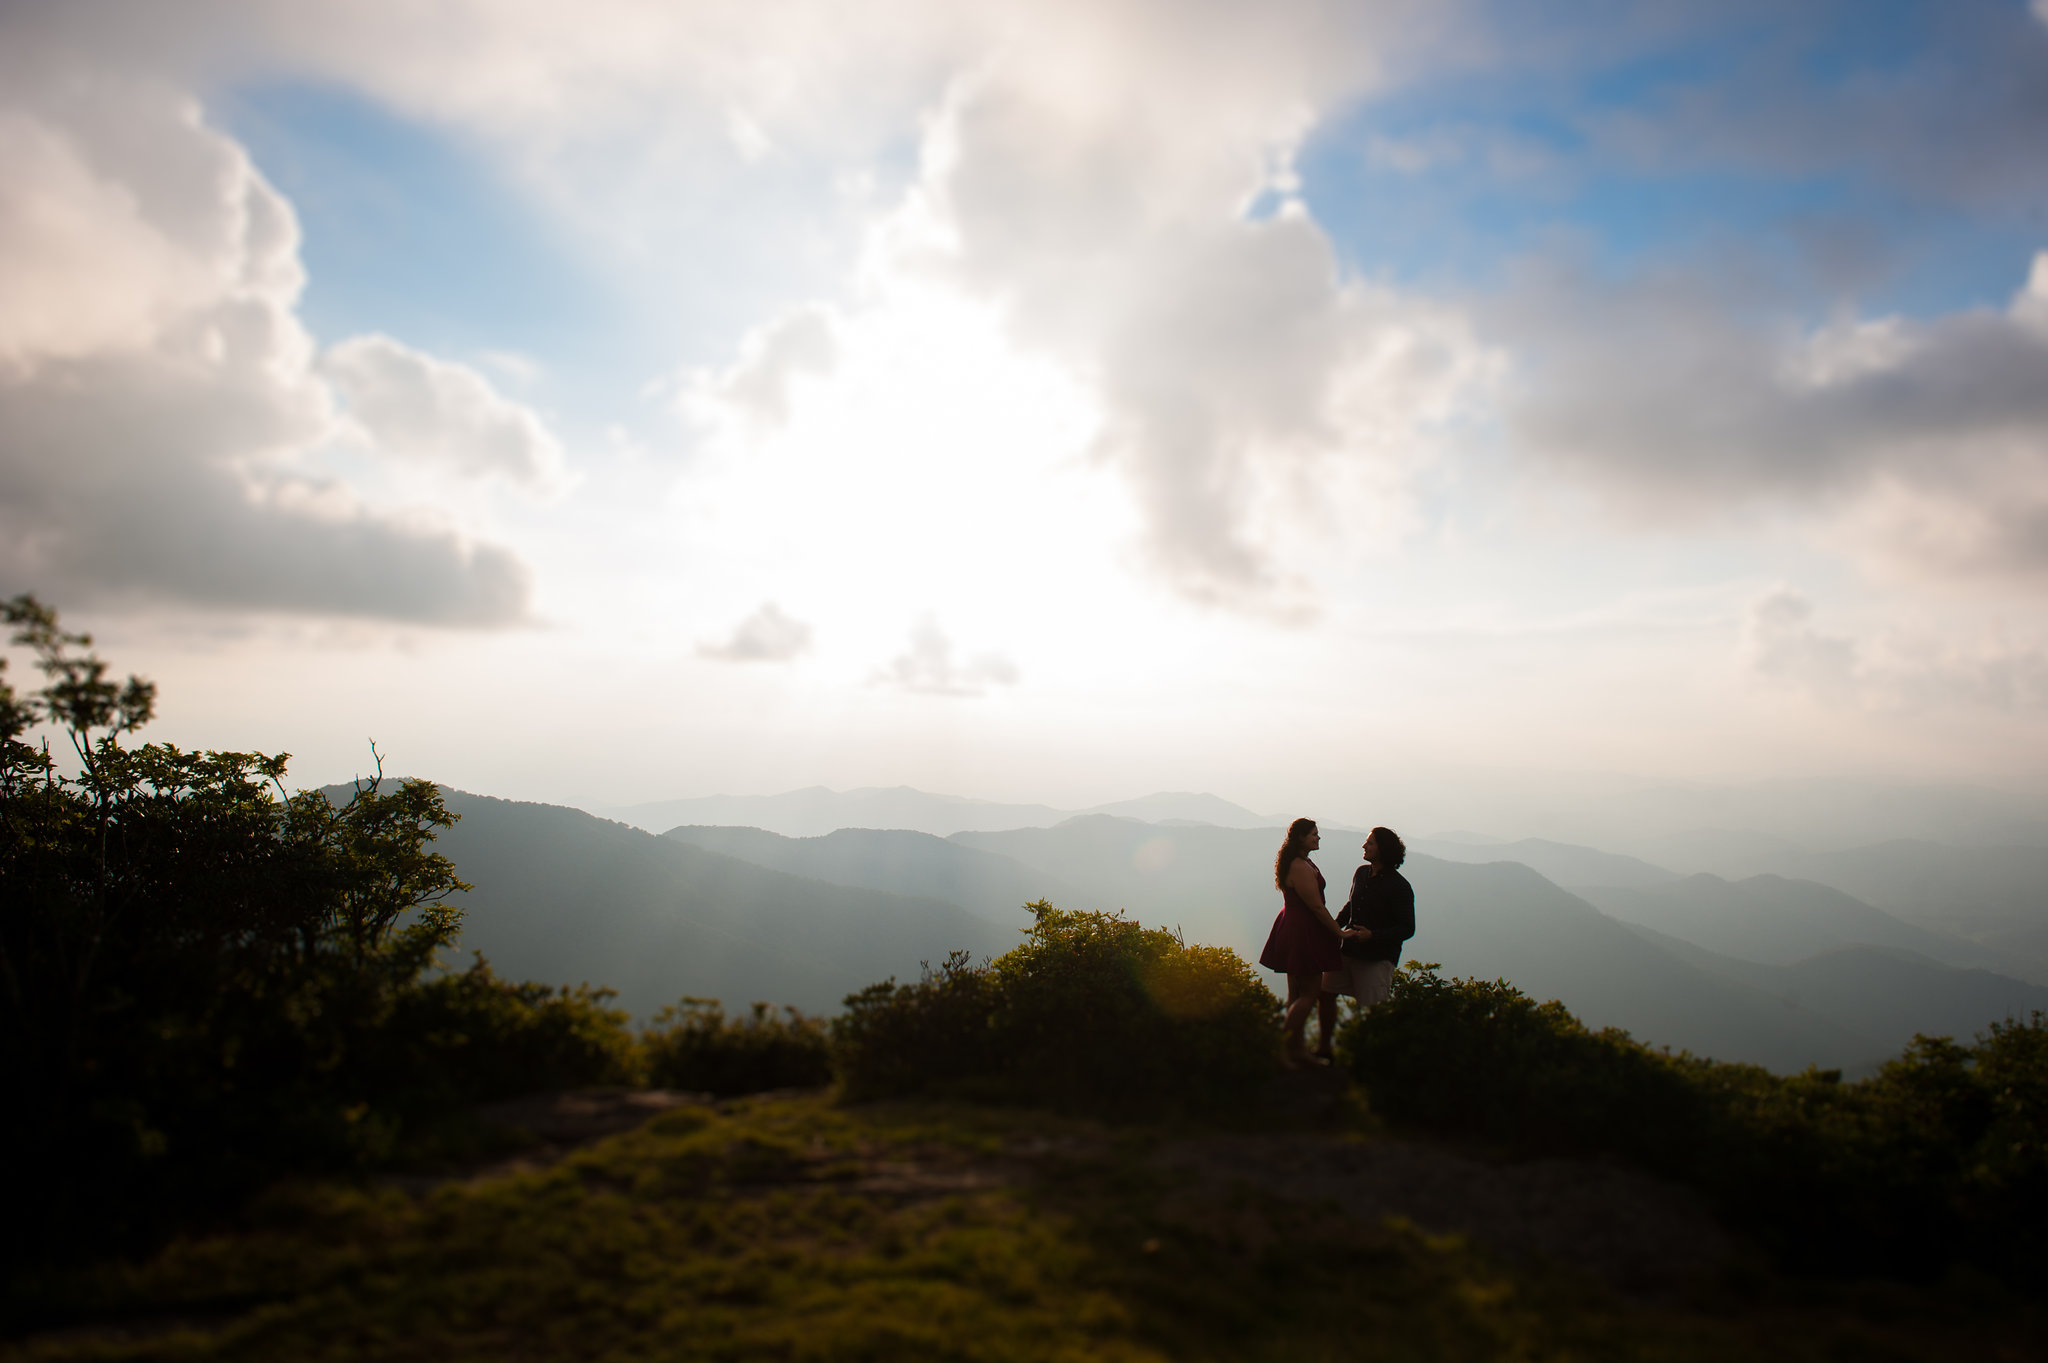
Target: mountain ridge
[815, 811]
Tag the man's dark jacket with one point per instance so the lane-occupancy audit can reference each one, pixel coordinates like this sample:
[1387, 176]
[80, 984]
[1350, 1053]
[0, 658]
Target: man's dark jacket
[1384, 905]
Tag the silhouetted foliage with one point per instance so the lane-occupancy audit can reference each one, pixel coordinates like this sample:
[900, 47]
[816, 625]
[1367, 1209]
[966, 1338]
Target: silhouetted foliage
[470, 1036]
[205, 981]
[1093, 1013]
[693, 1045]
[1941, 1156]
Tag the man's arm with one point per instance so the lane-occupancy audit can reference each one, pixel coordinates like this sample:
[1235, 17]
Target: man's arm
[1354, 907]
[1401, 913]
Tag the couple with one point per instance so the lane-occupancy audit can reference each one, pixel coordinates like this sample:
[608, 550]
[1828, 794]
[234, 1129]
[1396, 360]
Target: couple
[1353, 953]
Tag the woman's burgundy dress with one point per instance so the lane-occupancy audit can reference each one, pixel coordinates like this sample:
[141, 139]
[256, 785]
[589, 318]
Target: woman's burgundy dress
[1299, 943]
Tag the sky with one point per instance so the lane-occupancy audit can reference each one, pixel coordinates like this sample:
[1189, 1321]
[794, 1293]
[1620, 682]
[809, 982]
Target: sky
[1356, 407]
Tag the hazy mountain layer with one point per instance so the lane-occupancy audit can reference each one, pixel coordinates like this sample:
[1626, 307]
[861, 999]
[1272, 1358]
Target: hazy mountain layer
[1503, 920]
[1565, 863]
[816, 811]
[564, 897]
[1886, 995]
[1775, 920]
[984, 883]
[1997, 896]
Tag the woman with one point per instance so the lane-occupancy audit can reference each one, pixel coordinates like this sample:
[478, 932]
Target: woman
[1304, 941]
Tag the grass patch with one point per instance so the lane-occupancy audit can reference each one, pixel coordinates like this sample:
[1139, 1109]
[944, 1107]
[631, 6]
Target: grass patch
[789, 1227]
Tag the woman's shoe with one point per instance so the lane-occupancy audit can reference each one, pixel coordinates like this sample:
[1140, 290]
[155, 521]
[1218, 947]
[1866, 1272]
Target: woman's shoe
[1323, 1058]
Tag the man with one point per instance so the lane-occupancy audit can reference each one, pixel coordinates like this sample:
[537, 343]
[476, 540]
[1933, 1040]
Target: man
[1381, 916]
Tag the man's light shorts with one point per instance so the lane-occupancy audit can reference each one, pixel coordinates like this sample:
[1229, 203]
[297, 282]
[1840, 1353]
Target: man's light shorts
[1366, 981]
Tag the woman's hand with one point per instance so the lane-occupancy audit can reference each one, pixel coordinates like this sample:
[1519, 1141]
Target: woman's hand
[1358, 934]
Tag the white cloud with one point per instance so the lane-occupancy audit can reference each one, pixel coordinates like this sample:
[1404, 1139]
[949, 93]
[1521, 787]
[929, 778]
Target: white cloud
[1093, 182]
[768, 635]
[153, 427]
[773, 358]
[1784, 645]
[1922, 444]
[1090, 175]
[926, 666]
[82, 269]
[1896, 671]
[1086, 183]
[413, 406]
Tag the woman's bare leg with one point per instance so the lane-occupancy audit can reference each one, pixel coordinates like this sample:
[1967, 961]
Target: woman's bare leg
[1326, 1025]
[1302, 991]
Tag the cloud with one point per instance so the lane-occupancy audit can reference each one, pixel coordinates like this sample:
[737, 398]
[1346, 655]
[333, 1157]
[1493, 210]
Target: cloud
[1895, 671]
[1925, 441]
[413, 406]
[1093, 171]
[1098, 181]
[926, 667]
[157, 391]
[767, 636]
[81, 267]
[773, 356]
[1784, 645]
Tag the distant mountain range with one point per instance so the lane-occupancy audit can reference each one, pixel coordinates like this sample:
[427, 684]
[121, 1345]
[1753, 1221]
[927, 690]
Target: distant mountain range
[567, 898]
[1766, 970]
[989, 886]
[1968, 906]
[1775, 921]
[815, 811]
[1995, 895]
[1563, 862]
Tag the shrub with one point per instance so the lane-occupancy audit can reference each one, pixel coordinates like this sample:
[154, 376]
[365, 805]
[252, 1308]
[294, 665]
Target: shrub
[1092, 1013]
[472, 1037]
[211, 981]
[693, 1045]
[1941, 1154]
[935, 1035]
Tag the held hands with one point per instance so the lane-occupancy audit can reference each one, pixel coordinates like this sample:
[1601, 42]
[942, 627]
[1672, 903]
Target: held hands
[1356, 934]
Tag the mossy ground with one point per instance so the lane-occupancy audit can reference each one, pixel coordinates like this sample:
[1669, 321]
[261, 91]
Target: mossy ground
[792, 1227]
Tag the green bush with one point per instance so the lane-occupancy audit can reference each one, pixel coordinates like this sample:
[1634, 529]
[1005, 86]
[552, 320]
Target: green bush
[211, 982]
[1943, 1154]
[693, 1045]
[472, 1037]
[1092, 1013]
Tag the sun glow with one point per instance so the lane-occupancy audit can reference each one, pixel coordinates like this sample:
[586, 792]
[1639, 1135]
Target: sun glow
[908, 463]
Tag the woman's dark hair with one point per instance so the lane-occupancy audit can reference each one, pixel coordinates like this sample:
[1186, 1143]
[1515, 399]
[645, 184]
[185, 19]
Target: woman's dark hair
[1297, 834]
[1392, 850]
